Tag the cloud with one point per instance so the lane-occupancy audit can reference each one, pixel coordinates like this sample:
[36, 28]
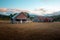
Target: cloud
[38, 11]
[46, 10]
[3, 9]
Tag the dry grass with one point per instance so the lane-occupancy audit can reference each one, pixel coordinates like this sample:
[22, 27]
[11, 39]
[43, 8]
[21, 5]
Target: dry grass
[30, 31]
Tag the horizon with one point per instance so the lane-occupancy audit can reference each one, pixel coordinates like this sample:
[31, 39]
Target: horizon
[34, 6]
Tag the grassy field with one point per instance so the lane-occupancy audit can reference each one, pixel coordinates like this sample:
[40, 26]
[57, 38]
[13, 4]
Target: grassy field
[30, 31]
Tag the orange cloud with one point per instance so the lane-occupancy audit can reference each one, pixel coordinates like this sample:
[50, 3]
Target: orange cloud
[3, 9]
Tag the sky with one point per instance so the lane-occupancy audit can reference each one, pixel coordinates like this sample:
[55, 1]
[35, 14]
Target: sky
[49, 5]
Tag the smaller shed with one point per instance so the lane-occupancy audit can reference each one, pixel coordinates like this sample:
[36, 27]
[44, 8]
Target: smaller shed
[38, 19]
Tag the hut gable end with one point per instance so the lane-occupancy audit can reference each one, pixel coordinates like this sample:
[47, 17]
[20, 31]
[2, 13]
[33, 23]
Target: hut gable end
[21, 16]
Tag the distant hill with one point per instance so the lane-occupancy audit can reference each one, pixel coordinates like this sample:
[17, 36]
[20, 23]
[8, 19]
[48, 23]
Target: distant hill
[4, 17]
[53, 14]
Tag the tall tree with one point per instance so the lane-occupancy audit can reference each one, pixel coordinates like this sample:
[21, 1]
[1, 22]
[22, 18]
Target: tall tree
[11, 18]
[27, 14]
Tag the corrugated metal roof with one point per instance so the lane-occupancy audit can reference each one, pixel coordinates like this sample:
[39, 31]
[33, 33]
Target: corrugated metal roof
[18, 15]
[15, 16]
